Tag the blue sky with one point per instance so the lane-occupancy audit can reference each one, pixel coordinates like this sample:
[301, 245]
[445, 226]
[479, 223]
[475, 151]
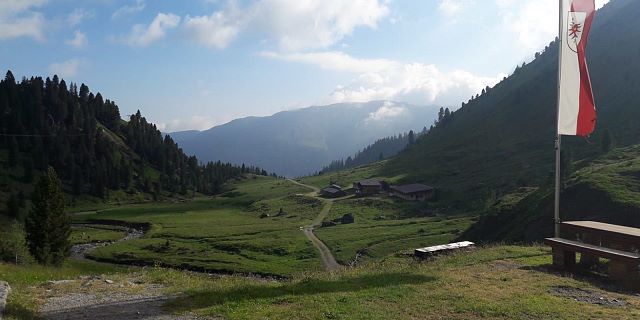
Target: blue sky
[194, 64]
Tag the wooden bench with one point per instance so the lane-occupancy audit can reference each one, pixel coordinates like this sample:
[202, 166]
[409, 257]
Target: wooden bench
[434, 250]
[623, 265]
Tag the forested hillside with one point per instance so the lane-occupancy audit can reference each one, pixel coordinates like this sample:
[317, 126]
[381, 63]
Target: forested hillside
[504, 138]
[47, 122]
[381, 149]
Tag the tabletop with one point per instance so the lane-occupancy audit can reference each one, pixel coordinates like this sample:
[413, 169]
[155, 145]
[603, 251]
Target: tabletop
[601, 227]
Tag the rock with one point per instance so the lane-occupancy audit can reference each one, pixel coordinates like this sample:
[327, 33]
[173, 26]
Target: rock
[4, 293]
[57, 282]
[108, 281]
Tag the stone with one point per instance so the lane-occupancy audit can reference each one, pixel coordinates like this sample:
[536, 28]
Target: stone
[108, 281]
[4, 293]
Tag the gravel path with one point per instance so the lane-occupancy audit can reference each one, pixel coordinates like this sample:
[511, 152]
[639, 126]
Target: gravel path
[99, 298]
[79, 251]
[112, 306]
[4, 293]
[327, 257]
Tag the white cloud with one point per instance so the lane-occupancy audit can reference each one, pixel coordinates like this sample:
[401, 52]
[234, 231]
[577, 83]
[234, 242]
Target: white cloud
[387, 112]
[67, 69]
[142, 36]
[535, 23]
[78, 15]
[18, 20]
[381, 79]
[192, 123]
[334, 60]
[309, 24]
[78, 41]
[450, 7]
[136, 7]
[216, 30]
[293, 25]
[9, 7]
[601, 3]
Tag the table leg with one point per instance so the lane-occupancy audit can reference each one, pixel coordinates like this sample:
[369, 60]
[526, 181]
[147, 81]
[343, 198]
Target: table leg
[563, 259]
[625, 273]
[586, 260]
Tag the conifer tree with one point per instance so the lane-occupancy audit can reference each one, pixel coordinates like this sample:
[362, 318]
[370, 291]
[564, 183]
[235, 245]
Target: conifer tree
[48, 226]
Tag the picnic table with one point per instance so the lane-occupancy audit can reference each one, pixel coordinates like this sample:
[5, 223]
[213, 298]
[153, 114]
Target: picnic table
[593, 239]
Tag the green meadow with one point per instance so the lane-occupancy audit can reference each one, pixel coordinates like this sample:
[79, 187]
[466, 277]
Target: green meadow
[384, 226]
[498, 282]
[253, 228]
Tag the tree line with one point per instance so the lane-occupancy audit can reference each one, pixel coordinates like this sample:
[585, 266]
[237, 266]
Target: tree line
[380, 150]
[81, 135]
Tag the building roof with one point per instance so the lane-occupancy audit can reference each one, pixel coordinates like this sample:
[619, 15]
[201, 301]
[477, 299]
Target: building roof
[370, 183]
[331, 190]
[412, 188]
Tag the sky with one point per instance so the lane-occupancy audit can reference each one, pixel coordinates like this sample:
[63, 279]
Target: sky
[193, 64]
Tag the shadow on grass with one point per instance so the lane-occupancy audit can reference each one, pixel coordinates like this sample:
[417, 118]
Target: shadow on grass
[142, 308]
[202, 299]
[18, 311]
[596, 277]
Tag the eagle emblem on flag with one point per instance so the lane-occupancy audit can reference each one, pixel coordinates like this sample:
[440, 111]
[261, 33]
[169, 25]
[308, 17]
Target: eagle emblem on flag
[575, 29]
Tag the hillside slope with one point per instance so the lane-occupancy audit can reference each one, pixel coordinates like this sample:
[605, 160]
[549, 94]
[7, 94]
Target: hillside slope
[504, 138]
[46, 122]
[299, 142]
[606, 189]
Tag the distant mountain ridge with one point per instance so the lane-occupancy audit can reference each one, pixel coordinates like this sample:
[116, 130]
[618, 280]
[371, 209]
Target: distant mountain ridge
[300, 142]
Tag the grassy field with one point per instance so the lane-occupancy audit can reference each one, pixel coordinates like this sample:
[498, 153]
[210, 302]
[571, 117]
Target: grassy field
[239, 231]
[503, 282]
[384, 226]
[88, 234]
[23, 279]
[347, 177]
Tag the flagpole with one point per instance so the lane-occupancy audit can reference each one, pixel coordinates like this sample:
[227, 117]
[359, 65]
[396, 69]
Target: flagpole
[558, 136]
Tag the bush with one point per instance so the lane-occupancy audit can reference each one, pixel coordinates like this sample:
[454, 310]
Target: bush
[13, 245]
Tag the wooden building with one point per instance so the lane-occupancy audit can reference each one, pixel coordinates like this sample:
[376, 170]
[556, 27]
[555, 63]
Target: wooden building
[370, 187]
[332, 192]
[413, 192]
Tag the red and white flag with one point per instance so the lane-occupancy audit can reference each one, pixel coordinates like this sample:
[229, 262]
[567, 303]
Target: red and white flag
[576, 107]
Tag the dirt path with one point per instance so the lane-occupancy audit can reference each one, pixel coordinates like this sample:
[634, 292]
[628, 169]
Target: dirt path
[328, 260]
[79, 251]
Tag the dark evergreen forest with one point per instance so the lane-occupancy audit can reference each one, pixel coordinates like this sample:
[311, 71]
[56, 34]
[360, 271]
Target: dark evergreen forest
[47, 122]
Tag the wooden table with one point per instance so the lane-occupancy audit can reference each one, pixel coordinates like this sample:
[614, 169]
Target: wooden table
[602, 234]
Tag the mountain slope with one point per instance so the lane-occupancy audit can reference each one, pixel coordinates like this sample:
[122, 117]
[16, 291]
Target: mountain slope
[504, 138]
[302, 141]
[606, 189]
[94, 152]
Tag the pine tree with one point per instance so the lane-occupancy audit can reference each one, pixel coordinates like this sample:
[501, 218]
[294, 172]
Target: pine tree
[412, 137]
[48, 226]
[13, 152]
[440, 114]
[13, 206]
[16, 246]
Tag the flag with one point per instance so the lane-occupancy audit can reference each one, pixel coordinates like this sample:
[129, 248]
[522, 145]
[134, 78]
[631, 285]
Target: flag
[576, 107]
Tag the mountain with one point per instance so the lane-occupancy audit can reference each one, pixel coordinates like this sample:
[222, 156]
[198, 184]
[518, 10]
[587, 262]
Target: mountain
[504, 138]
[381, 149]
[605, 189]
[47, 123]
[299, 142]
